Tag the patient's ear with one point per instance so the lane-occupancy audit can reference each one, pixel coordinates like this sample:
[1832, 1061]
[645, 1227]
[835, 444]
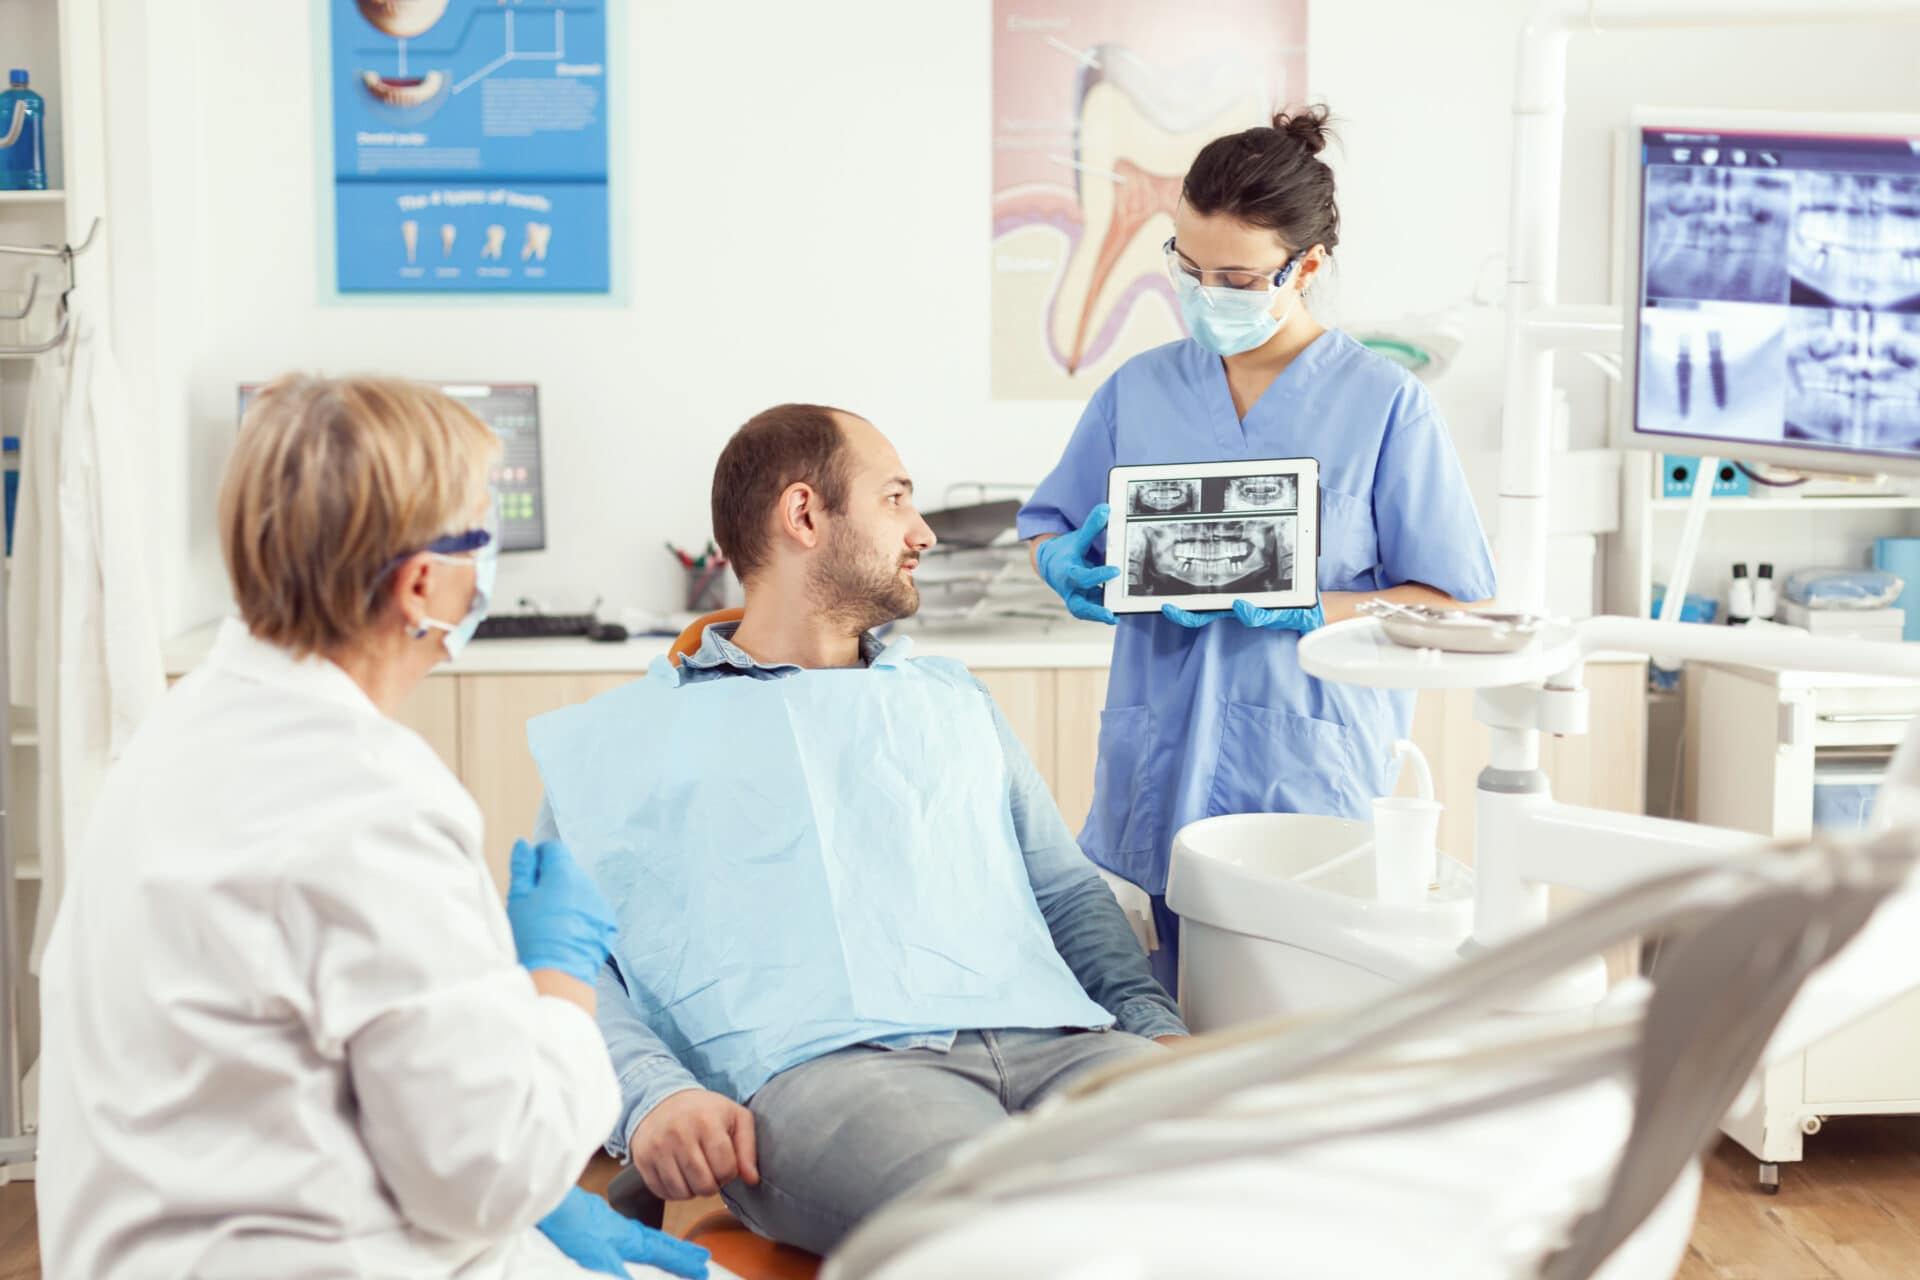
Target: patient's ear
[798, 515]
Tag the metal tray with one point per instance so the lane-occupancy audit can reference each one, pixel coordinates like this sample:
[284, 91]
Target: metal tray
[1418, 626]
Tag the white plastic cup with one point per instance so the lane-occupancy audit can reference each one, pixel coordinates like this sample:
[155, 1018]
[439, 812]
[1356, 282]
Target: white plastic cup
[1406, 860]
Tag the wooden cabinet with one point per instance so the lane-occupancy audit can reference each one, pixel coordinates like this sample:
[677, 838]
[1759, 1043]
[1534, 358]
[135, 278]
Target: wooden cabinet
[494, 760]
[1026, 699]
[1079, 695]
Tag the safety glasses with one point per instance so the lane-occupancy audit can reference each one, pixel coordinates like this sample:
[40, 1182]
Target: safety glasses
[1180, 269]
[470, 540]
[476, 542]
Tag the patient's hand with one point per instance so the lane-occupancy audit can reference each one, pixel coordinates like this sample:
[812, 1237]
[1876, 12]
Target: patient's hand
[693, 1144]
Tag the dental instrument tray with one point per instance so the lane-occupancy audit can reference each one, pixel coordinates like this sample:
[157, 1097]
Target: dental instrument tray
[978, 571]
[1199, 536]
[1419, 626]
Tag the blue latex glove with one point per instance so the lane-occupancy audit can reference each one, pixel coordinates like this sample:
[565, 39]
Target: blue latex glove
[586, 1229]
[559, 919]
[1063, 565]
[1195, 620]
[1301, 620]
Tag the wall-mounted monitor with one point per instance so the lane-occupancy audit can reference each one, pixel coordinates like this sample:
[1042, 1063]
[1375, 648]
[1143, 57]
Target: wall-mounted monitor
[1774, 304]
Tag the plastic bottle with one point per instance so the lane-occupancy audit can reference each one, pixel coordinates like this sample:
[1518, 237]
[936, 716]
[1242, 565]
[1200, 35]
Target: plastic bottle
[1766, 601]
[23, 129]
[1740, 598]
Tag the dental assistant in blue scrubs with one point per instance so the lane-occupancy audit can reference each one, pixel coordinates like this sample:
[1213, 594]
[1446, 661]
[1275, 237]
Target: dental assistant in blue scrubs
[1210, 713]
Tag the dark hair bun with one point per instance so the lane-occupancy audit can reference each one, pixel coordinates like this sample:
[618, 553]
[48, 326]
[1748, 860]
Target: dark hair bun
[1306, 126]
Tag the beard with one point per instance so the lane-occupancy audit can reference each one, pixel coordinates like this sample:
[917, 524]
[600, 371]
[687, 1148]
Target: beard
[860, 586]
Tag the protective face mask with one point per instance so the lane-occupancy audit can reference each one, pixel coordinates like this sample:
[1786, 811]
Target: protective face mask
[485, 565]
[1228, 321]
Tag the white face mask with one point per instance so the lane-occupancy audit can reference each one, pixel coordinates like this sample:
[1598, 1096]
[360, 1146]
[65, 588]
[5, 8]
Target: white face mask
[479, 547]
[486, 563]
[1229, 321]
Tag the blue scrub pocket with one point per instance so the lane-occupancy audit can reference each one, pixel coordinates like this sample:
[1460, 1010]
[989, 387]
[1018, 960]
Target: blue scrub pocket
[1279, 762]
[1349, 544]
[1123, 817]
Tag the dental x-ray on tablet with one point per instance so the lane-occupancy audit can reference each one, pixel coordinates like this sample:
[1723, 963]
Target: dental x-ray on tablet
[1199, 536]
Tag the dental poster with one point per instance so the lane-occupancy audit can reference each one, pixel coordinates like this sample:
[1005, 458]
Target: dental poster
[470, 146]
[1099, 106]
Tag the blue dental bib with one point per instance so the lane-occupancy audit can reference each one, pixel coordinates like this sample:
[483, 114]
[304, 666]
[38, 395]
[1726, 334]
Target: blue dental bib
[806, 863]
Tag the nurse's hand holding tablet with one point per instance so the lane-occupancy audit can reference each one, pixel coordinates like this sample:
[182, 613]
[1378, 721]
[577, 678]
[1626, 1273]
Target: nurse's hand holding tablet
[1064, 564]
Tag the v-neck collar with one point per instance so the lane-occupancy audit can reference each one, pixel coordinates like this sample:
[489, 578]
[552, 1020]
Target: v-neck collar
[1229, 426]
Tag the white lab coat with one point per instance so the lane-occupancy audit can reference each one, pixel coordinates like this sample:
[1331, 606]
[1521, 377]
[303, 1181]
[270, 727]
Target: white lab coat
[82, 636]
[284, 1030]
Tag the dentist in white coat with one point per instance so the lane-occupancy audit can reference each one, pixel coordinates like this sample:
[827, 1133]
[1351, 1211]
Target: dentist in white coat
[288, 1029]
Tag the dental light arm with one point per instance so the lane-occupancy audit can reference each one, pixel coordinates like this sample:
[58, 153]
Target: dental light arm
[1775, 649]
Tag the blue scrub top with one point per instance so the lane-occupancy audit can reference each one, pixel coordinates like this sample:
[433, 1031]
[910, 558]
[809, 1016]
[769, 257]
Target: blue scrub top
[1222, 719]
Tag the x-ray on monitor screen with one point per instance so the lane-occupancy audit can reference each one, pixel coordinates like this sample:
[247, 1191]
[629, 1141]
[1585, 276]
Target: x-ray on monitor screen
[1779, 295]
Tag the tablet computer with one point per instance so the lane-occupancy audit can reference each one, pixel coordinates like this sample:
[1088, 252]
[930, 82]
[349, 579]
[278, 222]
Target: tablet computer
[1199, 536]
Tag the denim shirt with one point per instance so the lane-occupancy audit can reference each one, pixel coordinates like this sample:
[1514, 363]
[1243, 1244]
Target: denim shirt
[1088, 928]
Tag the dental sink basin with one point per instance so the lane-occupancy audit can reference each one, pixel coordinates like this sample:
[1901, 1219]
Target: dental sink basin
[1279, 915]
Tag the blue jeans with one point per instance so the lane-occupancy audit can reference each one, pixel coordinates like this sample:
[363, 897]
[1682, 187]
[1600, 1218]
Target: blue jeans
[843, 1134]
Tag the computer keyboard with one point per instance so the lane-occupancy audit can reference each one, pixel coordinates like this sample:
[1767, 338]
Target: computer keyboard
[533, 626]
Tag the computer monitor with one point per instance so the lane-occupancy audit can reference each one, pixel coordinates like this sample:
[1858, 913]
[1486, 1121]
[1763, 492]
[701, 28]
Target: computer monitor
[512, 409]
[1774, 299]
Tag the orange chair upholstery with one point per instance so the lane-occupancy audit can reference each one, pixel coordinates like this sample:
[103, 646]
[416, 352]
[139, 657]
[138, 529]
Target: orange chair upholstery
[688, 641]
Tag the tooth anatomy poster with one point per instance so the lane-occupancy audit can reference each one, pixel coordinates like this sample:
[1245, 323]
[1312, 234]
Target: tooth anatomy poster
[1099, 106]
[470, 146]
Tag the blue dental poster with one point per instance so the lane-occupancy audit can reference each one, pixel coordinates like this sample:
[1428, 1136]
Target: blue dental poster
[470, 146]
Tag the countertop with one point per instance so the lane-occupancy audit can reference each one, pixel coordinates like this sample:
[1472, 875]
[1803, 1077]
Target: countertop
[1059, 645]
[1062, 645]
[1795, 680]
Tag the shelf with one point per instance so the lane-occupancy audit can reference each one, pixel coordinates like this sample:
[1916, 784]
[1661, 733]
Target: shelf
[32, 197]
[1720, 506]
[28, 870]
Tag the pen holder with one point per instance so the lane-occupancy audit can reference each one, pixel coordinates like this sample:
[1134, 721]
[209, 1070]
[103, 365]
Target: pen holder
[707, 588]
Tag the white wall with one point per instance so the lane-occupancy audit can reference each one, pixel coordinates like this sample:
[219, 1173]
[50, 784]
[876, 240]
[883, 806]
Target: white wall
[834, 157]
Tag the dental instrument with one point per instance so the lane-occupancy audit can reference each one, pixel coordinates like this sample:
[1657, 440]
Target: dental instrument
[1420, 626]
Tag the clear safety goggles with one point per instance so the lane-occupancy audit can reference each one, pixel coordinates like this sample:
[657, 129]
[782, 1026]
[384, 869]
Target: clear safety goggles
[1235, 278]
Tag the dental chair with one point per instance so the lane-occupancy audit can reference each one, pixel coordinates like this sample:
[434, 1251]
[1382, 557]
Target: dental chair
[688, 641]
[1434, 1131]
[733, 1246]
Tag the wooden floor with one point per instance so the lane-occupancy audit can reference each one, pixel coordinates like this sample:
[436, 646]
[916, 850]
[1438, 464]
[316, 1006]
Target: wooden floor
[1850, 1211]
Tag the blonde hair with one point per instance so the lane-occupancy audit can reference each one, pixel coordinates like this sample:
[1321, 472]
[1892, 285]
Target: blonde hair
[332, 480]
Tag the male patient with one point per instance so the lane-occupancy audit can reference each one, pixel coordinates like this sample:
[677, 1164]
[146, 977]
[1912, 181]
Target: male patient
[855, 932]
